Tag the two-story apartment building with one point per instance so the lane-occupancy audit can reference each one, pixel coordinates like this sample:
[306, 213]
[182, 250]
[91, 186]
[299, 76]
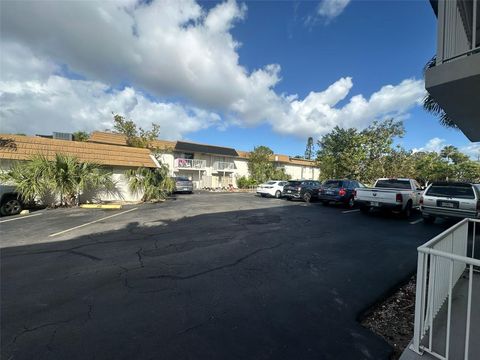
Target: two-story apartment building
[454, 81]
[208, 166]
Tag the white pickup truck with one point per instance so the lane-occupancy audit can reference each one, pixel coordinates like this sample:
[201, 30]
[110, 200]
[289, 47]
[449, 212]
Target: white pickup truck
[397, 195]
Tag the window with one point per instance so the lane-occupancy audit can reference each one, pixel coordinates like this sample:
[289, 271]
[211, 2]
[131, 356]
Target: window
[333, 184]
[451, 191]
[393, 184]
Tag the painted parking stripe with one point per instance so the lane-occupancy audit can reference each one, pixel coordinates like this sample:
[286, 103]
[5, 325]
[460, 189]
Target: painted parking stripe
[20, 217]
[91, 222]
[350, 211]
[416, 221]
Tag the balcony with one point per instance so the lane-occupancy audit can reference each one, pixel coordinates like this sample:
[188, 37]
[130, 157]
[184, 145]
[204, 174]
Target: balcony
[455, 78]
[447, 306]
[226, 166]
[190, 164]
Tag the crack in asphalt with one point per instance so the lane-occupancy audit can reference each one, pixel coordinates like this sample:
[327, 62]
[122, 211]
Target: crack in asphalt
[194, 275]
[27, 330]
[140, 258]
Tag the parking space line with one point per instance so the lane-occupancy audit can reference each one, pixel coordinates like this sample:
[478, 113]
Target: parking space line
[416, 221]
[20, 217]
[91, 222]
[350, 211]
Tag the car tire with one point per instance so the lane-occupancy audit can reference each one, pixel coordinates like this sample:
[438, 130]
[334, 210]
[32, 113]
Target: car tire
[350, 203]
[365, 209]
[11, 206]
[278, 194]
[307, 197]
[407, 212]
[428, 219]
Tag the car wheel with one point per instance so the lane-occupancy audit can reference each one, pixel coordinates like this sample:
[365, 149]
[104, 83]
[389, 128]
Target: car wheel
[11, 206]
[307, 197]
[365, 209]
[407, 212]
[351, 203]
[428, 219]
[278, 194]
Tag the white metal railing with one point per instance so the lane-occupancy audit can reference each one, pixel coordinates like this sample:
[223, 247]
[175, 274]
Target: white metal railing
[223, 166]
[457, 29]
[193, 164]
[441, 263]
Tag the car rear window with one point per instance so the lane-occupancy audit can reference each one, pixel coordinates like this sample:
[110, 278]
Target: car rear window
[271, 182]
[333, 183]
[182, 178]
[294, 183]
[451, 191]
[393, 183]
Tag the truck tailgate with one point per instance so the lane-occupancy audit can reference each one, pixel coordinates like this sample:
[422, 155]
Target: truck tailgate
[378, 195]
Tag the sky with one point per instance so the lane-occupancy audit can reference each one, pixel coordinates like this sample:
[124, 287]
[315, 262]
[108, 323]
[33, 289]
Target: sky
[232, 73]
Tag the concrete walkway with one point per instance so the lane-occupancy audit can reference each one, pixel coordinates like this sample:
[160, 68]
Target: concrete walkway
[457, 331]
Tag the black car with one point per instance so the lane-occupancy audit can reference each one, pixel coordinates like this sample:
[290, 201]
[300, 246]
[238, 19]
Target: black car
[339, 191]
[301, 189]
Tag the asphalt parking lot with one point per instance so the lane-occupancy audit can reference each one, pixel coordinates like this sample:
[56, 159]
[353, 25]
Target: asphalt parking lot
[206, 276]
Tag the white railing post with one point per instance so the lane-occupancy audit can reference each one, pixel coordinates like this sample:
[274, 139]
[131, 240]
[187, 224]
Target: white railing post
[419, 303]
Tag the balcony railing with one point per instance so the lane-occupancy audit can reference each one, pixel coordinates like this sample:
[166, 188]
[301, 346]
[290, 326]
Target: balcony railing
[192, 164]
[223, 166]
[457, 29]
[443, 262]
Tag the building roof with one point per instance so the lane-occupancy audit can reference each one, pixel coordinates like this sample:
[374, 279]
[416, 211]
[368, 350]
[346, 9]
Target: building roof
[107, 138]
[206, 149]
[16, 147]
[282, 159]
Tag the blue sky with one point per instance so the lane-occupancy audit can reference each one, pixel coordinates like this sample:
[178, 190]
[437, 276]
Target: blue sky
[231, 73]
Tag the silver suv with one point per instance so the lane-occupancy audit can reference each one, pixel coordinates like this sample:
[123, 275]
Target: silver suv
[450, 200]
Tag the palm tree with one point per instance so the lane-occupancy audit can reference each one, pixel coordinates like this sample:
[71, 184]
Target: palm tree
[64, 178]
[431, 105]
[154, 184]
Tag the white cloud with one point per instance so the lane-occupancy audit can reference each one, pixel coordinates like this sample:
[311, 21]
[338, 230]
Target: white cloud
[436, 144]
[332, 8]
[162, 50]
[472, 150]
[326, 11]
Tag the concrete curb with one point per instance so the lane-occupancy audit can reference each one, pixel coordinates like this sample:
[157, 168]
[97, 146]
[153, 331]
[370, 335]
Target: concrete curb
[101, 206]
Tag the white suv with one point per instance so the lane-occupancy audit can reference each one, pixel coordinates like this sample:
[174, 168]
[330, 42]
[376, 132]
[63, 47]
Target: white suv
[271, 188]
[450, 200]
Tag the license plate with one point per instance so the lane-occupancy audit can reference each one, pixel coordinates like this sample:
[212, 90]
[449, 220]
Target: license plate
[185, 188]
[445, 204]
[374, 203]
[289, 191]
[329, 192]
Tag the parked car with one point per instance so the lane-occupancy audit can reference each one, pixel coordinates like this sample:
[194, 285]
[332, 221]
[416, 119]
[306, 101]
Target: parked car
[339, 191]
[183, 184]
[450, 200]
[271, 188]
[397, 195]
[10, 201]
[302, 189]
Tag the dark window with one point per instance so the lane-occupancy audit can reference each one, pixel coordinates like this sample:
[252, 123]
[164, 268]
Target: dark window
[393, 184]
[294, 183]
[447, 191]
[333, 184]
[182, 178]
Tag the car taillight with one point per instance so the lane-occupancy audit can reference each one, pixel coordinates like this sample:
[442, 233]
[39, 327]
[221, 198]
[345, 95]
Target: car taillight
[342, 192]
[421, 200]
[399, 198]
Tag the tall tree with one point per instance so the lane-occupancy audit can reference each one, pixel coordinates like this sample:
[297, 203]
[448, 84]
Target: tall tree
[260, 163]
[136, 137]
[309, 149]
